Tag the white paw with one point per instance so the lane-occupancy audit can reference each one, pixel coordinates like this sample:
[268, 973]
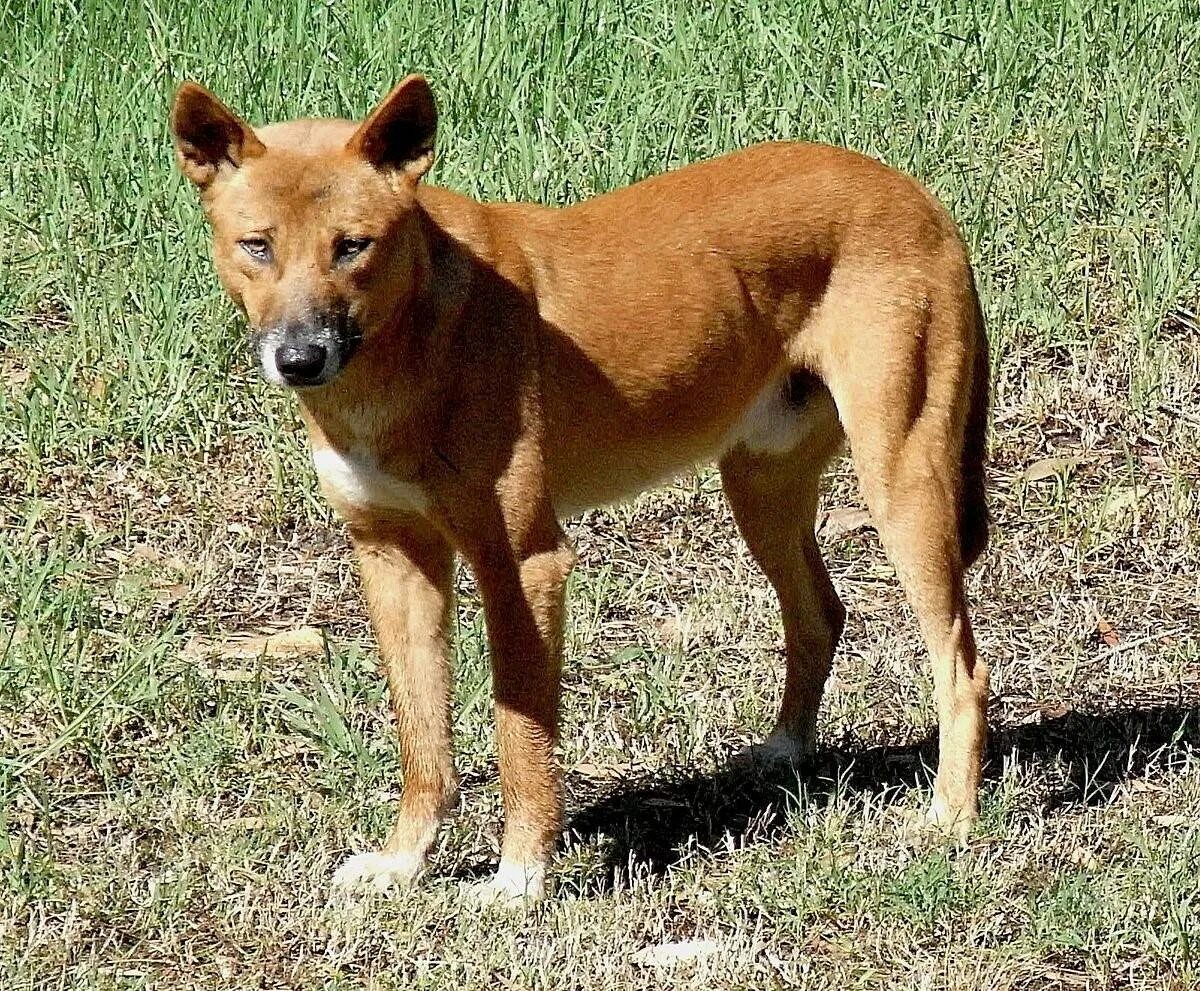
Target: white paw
[516, 885]
[380, 872]
[936, 826]
[782, 747]
[954, 823]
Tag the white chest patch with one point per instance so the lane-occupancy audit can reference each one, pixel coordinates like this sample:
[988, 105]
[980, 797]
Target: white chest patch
[357, 480]
[771, 424]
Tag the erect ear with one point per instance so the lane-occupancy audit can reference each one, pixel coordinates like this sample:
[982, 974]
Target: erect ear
[398, 136]
[208, 135]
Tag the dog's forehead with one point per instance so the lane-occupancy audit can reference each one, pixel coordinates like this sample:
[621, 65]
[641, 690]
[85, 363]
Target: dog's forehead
[306, 172]
[309, 135]
[301, 179]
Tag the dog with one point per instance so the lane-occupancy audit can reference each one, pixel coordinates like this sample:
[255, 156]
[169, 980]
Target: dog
[471, 374]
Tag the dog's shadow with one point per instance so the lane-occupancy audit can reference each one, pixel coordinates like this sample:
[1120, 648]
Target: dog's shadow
[646, 826]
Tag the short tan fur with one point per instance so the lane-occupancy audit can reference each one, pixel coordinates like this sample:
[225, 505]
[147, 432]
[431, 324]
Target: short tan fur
[470, 374]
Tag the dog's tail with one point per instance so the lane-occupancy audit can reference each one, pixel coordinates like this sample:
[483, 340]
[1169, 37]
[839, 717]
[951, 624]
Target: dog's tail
[973, 516]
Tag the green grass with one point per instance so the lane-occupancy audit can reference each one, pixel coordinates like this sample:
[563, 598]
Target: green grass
[170, 819]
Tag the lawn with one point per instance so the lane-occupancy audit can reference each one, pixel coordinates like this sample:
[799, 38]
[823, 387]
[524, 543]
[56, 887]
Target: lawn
[177, 786]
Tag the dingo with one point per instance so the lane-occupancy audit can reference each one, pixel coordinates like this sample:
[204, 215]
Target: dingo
[470, 374]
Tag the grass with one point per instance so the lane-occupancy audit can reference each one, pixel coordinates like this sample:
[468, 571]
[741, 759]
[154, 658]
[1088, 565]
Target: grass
[171, 816]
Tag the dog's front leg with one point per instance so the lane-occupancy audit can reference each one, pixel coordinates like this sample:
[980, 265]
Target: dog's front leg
[407, 577]
[523, 585]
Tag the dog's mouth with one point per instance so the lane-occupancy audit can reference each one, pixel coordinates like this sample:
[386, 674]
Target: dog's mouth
[308, 353]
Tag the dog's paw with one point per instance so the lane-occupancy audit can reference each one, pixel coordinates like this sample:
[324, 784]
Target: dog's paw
[955, 824]
[515, 886]
[779, 750]
[784, 748]
[939, 823]
[380, 872]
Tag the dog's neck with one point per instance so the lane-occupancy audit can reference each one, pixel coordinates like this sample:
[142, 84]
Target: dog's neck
[399, 376]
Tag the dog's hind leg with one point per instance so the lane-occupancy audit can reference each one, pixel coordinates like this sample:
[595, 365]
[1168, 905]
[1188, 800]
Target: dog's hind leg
[773, 496]
[904, 386]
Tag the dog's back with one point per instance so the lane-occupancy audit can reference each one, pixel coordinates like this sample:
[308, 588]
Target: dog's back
[687, 299]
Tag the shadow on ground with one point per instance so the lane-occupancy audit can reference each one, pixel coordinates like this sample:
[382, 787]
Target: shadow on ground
[651, 824]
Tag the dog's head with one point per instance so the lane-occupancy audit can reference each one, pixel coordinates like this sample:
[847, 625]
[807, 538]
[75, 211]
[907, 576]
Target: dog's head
[313, 221]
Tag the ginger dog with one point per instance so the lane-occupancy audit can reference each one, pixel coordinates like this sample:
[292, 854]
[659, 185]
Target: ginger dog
[471, 374]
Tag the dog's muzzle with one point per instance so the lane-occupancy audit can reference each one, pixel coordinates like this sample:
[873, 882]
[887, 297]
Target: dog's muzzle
[308, 352]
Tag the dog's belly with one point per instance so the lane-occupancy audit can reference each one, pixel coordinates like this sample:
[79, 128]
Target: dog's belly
[621, 464]
[777, 421]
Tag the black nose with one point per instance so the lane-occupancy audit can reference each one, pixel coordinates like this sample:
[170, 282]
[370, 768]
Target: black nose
[300, 362]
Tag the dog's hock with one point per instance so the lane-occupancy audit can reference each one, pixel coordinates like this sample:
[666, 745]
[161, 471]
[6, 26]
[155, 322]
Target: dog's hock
[398, 135]
[208, 135]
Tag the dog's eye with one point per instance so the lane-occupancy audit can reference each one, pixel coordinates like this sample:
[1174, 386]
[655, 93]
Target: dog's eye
[349, 247]
[257, 248]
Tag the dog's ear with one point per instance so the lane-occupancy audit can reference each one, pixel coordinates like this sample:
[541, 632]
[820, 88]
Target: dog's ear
[398, 136]
[209, 136]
